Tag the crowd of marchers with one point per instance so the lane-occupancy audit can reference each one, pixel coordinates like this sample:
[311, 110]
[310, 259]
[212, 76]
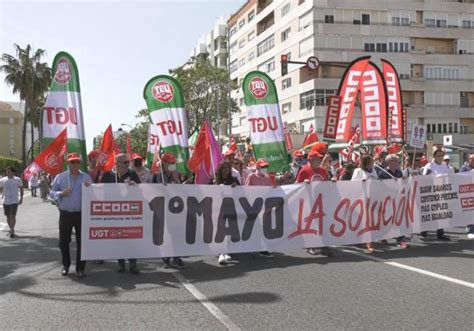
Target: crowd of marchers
[65, 190]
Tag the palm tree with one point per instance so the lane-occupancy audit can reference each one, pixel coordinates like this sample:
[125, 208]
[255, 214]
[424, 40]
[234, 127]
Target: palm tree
[29, 77]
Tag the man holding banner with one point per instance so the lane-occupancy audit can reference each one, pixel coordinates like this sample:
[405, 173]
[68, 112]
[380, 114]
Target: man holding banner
[123, 175]
[67, 191]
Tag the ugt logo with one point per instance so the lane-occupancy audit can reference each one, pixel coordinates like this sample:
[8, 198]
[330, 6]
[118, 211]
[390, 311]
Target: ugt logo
[52, 160]
[258, 88]
[162, 91]
[63, 72]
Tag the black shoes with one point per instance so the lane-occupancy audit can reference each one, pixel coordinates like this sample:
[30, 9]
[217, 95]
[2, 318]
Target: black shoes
[326, 252]
[179, 263]
[443, 237]
[65, 271]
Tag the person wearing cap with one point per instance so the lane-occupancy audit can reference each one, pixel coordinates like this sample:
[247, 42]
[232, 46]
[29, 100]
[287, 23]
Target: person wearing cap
[66, 189]
[298, 162]
[143, 173]
[469, 166]
[260, 178]
[92, 168]
[123, 174]
[446, 160]
[12, 196]
[230, 157]
[437, 168]
[314, 172]
[168, 175]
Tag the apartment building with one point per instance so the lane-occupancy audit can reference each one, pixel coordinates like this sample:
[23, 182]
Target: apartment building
[430, 43]
[214, 44]
[11, 124]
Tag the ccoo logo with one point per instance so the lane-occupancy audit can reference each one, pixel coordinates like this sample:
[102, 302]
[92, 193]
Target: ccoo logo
[63, 72]
[258, 88]
[162, 91]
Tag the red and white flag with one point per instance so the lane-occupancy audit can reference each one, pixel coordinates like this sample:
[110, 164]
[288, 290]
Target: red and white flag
[51, 160]
[106, 158]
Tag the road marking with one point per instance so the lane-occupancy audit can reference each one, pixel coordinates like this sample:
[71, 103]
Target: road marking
[406, 267]
[213, 309]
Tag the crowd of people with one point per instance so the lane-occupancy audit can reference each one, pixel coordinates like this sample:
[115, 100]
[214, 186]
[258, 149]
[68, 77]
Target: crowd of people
[234, 170]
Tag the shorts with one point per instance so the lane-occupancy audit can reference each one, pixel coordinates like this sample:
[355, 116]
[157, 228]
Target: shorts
[10, 210]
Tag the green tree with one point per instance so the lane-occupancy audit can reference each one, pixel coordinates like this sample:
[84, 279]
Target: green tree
[205, 92]
[29, 77]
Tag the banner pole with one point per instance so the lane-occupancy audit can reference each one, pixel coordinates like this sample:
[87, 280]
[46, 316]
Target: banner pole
[413, 161]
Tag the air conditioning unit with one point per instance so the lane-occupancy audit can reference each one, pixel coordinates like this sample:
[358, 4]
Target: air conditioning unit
[356, 22]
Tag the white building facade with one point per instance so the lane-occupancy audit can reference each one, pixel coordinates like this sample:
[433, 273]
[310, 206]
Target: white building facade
[430, 43]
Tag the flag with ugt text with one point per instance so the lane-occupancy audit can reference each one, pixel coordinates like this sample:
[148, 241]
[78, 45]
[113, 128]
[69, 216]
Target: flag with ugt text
[51, 159]
[63, 107]
[165, 101]
[266, 126]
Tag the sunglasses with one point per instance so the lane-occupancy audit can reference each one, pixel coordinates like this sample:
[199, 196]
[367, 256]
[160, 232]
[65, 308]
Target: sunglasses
[74, 162]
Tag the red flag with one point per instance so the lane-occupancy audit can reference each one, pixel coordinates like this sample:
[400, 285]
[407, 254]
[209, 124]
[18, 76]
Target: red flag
[288, 140]
[233, 146]
[32, 170]
[201, 151]
[106, 158]
[311, 137]
[51, 160]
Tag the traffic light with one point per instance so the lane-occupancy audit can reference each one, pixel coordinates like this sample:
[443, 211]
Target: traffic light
[284, 64]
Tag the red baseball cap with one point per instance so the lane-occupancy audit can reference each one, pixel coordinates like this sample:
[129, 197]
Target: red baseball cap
[229, 153]
[168, 158]
[93, 154]
[318, 150]
[261, 163]
[73, 157]
[298, 153]
[136, 156]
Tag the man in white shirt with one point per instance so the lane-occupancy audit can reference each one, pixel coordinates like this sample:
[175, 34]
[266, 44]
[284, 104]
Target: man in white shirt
[12, 196]
[436, 168]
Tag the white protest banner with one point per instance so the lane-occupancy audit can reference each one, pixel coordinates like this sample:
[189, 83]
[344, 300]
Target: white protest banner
[152, 220]
[418, 136]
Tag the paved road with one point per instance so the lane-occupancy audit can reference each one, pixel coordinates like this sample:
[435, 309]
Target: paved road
[293, 291]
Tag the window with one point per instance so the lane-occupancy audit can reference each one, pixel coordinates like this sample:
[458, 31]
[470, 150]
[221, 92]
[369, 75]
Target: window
[395, 20]
[251, 15]
[271, 66]
[232, 30]
[233, 66]
[286, 108]
[466, 24]
[241, 62]
[233, 47]
[329, 19]
[405, 21]
[285, 34]
[285, 9]
[251, 35]
[286, 83]
[369, 47]
[306, 20]
[241, 23]
[265, 45]
[366, 19]
[315, 97]
[251, 56]
[440, 23]
[241, 42]
[430, 22]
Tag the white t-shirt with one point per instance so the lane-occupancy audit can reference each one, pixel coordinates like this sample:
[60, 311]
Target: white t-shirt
[361, 174]
[11, 190]
[436, 169]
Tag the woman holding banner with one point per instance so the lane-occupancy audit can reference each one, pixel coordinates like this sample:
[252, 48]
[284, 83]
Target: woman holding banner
[366, 172]
[224, 177]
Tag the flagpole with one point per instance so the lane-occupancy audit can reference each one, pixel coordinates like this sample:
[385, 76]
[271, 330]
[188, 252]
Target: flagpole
[115, 169]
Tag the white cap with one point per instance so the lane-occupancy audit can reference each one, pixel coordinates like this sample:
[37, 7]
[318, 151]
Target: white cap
[446, 157]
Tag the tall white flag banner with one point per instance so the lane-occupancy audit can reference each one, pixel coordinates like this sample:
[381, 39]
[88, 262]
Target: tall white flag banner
[152, 220]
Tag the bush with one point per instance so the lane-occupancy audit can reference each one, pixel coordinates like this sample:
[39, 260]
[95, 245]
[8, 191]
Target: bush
[8, 161]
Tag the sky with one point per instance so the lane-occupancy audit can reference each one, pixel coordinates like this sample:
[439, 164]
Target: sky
[118, 46]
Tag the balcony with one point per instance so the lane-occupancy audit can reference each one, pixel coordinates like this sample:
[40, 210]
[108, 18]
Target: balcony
[265, 23]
